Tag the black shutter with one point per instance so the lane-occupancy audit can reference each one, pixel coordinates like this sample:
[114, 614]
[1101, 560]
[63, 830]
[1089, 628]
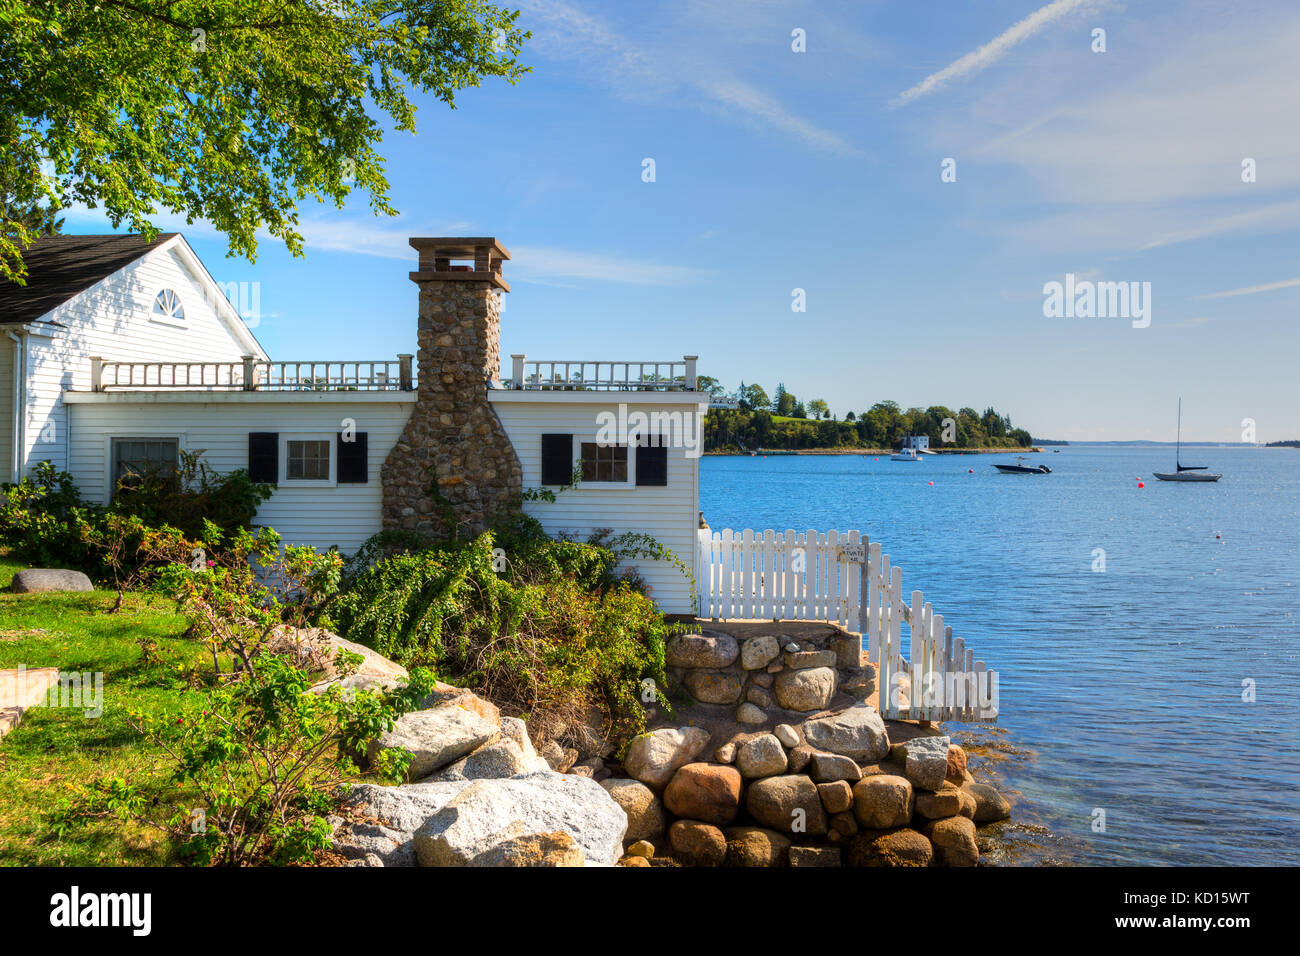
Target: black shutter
[652, 462]
[557, 459]
[353, 460]
[264, 456]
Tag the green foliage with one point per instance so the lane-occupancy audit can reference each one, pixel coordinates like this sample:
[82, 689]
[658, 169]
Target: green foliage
[265, 758]
[190, 494]
[23, 213]
[230, 111]
[551, 636]
[44, 521]
[152, 520]
[884, 425]
[752, 397]
[242, 588]
[262, 752]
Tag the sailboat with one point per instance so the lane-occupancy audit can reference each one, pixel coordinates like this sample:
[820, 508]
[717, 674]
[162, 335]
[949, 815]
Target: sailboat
[1185, 472]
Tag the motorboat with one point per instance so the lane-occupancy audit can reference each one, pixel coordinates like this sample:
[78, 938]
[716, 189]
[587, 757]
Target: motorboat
[1022, 469]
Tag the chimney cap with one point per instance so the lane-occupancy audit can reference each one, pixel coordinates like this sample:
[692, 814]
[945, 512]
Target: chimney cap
[460, 247]
[437, 253]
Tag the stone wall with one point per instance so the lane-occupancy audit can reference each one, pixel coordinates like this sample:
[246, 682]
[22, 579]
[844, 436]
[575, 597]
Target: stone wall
[755, 674]
[775, 756]
[454, 469]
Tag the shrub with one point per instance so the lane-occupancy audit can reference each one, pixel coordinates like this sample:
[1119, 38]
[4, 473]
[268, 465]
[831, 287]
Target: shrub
[245, 586]
[190, 494]
[265, 759]
[545, 638]
[263, 754]
[45, 521]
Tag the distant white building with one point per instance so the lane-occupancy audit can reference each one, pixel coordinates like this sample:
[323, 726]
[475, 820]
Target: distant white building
[917, 443]
[119, 353]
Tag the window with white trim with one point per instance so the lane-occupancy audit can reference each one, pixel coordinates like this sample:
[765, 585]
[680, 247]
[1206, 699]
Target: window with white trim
[168, 308]
[144, 456]
[607, 463]
[307, 459]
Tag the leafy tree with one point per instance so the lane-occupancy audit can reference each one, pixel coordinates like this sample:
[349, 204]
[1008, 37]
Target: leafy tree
[996, 425]
[24, 214]
[231, 111]
[783, 403]
[753, 397]
[881, 426]
[709, 384]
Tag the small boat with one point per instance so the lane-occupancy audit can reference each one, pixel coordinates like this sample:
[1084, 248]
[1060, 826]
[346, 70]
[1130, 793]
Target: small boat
[1185, 472]
[1023, 469]
[914, 446]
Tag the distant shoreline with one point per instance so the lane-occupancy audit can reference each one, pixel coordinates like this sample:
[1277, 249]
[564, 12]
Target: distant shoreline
[874, 451]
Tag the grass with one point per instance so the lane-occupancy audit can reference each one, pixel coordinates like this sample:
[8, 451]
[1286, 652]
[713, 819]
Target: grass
[54, 749]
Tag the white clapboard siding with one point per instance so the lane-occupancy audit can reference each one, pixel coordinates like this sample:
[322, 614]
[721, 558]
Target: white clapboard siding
[669, 514]
[344, 514]
[7, 350]
[848, 580]
[114, 319]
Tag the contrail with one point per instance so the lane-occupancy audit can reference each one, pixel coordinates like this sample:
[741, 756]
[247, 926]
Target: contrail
[992, 51]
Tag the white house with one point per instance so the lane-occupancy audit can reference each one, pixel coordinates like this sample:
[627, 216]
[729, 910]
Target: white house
[119, 353]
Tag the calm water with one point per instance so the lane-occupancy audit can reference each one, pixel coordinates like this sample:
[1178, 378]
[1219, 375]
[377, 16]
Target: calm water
[1120, 690]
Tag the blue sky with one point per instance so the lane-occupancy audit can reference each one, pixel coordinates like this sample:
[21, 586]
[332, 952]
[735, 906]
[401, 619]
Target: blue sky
[820, 170]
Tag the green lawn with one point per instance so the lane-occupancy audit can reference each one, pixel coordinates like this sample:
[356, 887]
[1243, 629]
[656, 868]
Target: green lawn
[54, 749]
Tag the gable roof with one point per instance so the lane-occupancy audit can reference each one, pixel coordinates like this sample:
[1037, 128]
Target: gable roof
[60, 267]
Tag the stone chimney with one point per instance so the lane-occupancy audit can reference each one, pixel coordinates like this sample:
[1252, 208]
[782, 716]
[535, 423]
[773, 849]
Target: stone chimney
[454, 470]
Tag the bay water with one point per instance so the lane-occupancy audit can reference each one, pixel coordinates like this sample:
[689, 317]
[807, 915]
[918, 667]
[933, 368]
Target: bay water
[1146, 638]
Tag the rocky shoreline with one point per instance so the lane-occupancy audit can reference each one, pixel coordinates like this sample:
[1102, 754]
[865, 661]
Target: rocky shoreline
[722, 781]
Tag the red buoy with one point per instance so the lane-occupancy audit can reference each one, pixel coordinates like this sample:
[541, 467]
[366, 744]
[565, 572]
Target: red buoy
[1141, 484]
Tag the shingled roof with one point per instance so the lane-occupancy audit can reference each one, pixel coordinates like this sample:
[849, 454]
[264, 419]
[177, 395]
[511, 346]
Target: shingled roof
[60, 267]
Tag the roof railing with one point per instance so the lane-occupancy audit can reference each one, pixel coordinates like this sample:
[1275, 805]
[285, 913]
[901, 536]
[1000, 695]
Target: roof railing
[252, 374]
[602, 376]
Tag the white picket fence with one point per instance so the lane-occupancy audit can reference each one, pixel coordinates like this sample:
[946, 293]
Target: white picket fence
[845, 579]
[790, 576]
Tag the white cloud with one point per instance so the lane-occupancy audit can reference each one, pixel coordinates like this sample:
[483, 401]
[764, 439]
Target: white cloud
[539, 263]
[994, 50]
[390, 239]
[1252, 289]
[662, 69]
[760, 106]
[1140, 148]
[1192, 323]
[1273, 217]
